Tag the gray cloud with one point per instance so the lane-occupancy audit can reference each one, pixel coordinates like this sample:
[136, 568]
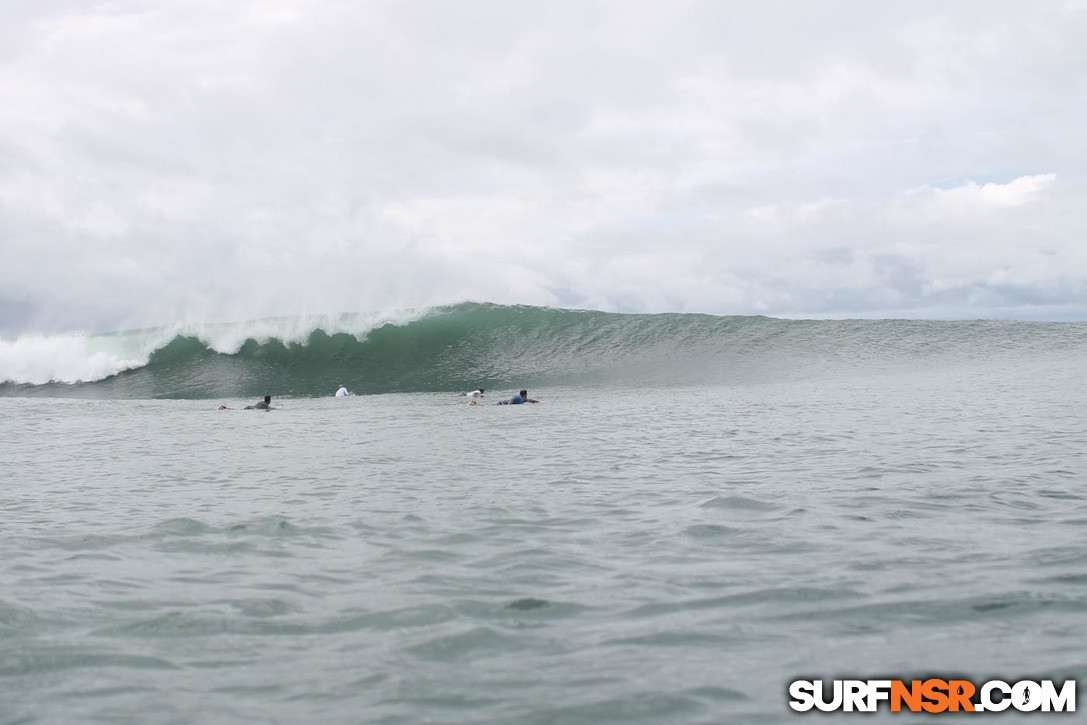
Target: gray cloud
[161, 162]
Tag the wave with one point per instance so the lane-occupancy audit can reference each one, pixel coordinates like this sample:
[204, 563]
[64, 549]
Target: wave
[497, 346]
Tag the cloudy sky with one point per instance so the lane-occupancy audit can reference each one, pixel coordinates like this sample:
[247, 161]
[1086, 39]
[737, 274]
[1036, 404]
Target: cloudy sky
[203, 160]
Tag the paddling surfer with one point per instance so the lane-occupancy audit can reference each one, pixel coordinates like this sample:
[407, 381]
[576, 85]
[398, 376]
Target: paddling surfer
[521, 397]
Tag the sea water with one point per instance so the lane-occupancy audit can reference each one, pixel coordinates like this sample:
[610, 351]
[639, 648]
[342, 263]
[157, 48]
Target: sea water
[618, 554]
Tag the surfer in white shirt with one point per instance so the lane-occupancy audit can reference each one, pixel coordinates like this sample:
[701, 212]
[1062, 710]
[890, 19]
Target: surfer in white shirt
[342, 391]
[474, 394]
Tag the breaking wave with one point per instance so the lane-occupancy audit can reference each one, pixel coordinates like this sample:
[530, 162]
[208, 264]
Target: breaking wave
[467, 345]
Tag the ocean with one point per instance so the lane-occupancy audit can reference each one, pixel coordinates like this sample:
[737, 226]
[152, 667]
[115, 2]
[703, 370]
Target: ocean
[699, 511]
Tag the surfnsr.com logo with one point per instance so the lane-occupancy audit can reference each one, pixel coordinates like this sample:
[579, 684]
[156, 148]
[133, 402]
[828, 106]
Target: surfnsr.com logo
[932, 695]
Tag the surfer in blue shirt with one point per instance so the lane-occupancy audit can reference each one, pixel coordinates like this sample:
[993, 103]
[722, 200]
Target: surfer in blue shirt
[521, 397]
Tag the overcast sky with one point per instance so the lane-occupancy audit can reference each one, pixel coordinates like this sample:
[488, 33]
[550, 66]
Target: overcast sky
[207, 160]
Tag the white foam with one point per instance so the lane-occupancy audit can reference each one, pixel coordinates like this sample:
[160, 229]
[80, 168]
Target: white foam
[41, 359]
[228, 337]
[78, 357]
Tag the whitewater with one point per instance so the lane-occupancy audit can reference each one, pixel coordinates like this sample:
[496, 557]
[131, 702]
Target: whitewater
[699, 511]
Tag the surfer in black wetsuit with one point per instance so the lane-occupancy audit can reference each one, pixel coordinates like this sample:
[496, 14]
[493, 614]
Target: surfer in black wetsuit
[265, 404]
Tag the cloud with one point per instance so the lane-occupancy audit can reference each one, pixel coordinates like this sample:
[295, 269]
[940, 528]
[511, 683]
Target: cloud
[971, 199]
[208, 161]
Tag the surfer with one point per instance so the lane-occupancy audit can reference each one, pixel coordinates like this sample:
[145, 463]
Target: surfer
[342, 391]
[265, 404]
[521, 397]
[478, 393]
[223, 406]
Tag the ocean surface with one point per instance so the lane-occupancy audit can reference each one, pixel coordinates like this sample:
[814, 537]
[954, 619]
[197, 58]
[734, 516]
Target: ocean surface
[699, 511]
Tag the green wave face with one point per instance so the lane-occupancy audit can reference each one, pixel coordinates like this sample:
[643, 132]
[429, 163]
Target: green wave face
[505, 347]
